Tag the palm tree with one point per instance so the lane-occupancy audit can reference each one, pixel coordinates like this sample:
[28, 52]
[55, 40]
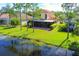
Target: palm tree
[18, 7]
[68, 8]
[60, 16]
[33, 10]
[9, 10]
[34, 6]
[27, 7]
[0, 12]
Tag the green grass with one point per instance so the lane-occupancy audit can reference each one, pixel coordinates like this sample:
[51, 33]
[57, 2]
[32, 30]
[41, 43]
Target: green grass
[52, 37]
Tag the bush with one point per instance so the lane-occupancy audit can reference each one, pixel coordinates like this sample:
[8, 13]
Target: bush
[30, 24]
[53, 25]
[14, 22]
[62, 27]
[76, 31]
[1, 21]
[75, 47]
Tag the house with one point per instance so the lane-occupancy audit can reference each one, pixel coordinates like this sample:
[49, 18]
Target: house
[5, 17]
[47, 18]
[23, 16]
[47, 15]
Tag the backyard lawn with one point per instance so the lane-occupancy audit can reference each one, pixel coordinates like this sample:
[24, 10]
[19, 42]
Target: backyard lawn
[52, 37]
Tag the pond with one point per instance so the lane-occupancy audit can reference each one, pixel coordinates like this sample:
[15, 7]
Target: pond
[10, 46]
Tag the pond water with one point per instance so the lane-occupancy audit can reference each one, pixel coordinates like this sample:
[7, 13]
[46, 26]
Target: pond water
[10, 46]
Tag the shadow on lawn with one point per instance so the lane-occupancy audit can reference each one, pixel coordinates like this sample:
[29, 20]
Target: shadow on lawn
[8, 27]
[29, 33]
[60, 45]
[24, 35]
[63, 42]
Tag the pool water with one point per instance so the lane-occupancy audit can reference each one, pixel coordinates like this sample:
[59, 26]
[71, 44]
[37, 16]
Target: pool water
[10, 46]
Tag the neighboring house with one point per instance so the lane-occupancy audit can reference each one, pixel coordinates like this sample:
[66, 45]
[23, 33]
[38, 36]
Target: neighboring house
[5, 17]
[23, 16]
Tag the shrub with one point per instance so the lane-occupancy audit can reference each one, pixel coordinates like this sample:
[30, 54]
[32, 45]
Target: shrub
[53, 25]
[1, 21]
[62, 27]
[30, 24]
[75, 47]
[14, 22]
[76, 31]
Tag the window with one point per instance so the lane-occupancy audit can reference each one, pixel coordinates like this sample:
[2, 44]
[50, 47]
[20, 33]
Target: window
[45, 16]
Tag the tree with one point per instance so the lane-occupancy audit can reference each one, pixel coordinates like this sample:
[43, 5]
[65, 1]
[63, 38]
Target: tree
[60, 16]
[27, 7]
[34, 6]
[9, 10]
[0, 12]
[68, 9]
[32, 10]
[18, 7]
[37, 13]
[76, 30]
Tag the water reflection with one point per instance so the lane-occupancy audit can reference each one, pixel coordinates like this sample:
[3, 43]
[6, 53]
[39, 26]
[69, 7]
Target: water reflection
[14, 46]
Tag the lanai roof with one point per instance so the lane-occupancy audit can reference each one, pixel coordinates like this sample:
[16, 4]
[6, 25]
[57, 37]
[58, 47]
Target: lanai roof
[44, 20]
